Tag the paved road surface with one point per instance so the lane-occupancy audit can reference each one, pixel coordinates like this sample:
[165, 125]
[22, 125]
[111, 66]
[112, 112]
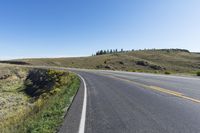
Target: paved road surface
[122, 102]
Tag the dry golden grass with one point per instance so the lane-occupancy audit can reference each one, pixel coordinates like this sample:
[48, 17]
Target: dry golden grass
[13, 104]
[158, 61]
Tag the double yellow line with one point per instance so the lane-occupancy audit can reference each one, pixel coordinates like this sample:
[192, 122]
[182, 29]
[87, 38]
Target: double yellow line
[174, 93]
[159, 89]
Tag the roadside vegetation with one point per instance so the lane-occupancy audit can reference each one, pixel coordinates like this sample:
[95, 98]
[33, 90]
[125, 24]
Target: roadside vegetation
[34, 100]
[164, 61]
[198, 73]
[167, 73]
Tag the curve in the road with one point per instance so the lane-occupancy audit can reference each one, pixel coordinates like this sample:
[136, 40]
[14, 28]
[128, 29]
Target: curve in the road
[143, 104]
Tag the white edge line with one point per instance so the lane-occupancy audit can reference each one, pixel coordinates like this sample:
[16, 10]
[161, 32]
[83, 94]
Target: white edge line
[83, 115]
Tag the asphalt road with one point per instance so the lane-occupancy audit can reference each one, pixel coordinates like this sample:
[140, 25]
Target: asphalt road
[122, 102]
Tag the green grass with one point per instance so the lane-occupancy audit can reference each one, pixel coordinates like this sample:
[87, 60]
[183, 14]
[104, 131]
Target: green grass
[153, 61]
[51, 116]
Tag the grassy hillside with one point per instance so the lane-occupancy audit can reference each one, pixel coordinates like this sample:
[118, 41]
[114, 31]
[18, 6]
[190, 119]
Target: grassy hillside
[33, 100]
[158, 61]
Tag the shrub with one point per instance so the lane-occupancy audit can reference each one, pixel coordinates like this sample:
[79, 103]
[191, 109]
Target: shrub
[142, 63]
[121, 62]
[41, 81]
[156, 67]
[167, 73]
[198, 73]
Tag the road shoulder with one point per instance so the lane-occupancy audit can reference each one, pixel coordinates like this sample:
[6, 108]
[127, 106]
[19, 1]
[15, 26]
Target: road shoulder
[73, 116]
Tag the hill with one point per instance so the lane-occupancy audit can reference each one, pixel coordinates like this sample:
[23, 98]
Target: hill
[156, 61]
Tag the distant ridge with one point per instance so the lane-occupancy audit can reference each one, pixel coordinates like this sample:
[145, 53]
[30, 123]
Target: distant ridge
[148, 60]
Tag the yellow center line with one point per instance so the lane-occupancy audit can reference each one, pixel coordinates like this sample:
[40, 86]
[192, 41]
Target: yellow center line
[156, 88]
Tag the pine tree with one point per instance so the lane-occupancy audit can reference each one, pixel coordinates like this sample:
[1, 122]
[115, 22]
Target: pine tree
[104, 52]
[108, 52]
[101, 52]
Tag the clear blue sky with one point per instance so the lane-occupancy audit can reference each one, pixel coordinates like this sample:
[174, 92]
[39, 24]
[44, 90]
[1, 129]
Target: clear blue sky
[54, 28]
